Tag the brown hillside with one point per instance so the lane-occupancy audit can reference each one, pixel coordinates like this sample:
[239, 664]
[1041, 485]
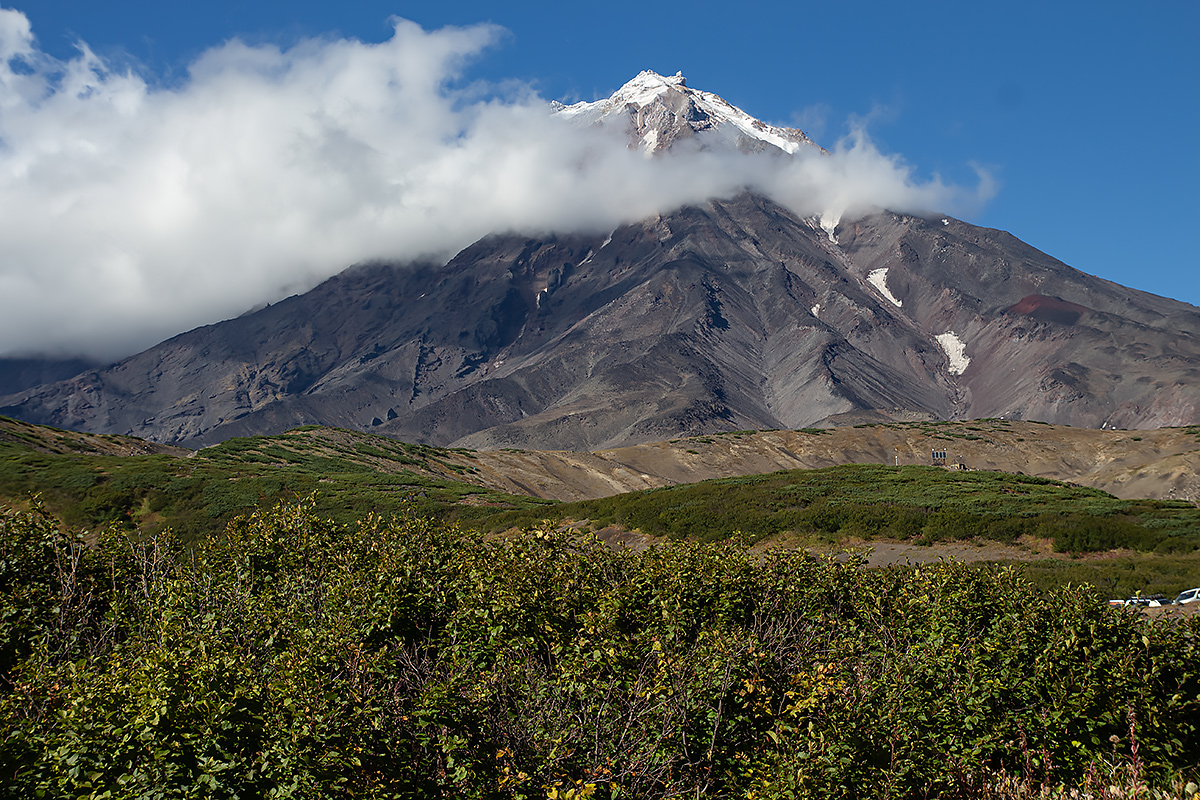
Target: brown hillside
[1159, 464]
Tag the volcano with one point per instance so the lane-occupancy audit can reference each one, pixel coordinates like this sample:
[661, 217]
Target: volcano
[731, 314]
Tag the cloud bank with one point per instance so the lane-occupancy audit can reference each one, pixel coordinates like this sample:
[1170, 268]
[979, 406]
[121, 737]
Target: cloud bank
[130, 212]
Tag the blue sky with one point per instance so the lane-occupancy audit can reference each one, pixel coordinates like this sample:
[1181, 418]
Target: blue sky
[1084, 113]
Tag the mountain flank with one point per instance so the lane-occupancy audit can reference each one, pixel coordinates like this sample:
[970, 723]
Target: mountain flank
[734, 315]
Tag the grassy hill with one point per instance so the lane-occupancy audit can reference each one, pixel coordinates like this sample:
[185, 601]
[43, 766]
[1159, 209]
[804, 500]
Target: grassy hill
[91, 480]
[873, 501]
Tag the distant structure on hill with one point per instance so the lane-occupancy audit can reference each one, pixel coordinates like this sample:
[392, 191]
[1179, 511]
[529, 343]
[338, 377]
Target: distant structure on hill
[941, 458]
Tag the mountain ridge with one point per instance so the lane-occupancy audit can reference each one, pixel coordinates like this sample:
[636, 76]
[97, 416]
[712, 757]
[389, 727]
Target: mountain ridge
[738, 314]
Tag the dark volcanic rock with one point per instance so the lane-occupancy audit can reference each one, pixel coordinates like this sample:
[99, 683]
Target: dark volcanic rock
[735, 314]
[19, 374]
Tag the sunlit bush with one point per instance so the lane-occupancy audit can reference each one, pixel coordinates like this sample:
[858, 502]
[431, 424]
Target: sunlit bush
[296, 657]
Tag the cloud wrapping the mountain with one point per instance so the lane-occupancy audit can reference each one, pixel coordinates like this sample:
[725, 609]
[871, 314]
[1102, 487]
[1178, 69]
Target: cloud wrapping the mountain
[131, 211]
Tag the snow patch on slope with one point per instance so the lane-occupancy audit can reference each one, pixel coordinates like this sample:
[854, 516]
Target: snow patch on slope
[956, 352]
[829, 225]
[650, 140]
[878, 279]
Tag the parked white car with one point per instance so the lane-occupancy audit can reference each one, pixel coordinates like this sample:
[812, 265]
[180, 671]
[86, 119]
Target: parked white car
[1189, 596]
[1150, 601]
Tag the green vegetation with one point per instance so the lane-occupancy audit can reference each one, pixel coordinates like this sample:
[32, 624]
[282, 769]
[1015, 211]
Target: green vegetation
[354, 474]
[1119, 577]
[871, 501]
[293, 656]
[198, 496]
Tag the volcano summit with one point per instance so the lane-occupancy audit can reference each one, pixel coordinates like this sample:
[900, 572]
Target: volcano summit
[659, 112]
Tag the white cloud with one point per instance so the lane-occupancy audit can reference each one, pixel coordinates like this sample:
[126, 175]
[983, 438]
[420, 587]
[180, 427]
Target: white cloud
[130, 212]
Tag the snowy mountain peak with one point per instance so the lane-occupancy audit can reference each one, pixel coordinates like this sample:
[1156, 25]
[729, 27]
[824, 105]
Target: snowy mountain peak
[660, 110]
[644, 88]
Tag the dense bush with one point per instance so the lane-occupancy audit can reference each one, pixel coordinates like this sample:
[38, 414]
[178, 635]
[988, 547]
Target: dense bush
[296, 657]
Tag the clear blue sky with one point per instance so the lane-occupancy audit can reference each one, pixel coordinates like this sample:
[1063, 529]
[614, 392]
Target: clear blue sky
[1086, 112]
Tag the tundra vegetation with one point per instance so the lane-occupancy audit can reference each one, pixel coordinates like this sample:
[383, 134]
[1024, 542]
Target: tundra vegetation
[873, 501]
[295, 656]
[197, 496]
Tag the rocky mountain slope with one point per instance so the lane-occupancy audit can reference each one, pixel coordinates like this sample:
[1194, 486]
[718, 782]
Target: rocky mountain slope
[728, 315]
[19, 374]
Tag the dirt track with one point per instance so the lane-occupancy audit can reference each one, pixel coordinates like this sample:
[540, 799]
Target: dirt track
[886, 554]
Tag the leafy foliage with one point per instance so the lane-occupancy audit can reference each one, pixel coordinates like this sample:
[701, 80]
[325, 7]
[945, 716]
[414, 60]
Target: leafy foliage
[295, 656]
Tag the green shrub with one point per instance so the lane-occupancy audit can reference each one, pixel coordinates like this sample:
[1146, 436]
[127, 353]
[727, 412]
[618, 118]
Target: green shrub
[295, 656]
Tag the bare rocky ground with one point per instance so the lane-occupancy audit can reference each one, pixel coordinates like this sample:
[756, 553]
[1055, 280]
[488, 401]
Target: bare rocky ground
[1159, 464]
[888, 553]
